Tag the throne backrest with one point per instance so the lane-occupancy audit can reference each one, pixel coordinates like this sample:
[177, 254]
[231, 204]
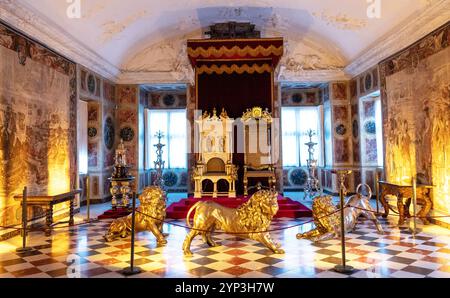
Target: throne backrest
[215, 165]
[214, 136]
[257, 125]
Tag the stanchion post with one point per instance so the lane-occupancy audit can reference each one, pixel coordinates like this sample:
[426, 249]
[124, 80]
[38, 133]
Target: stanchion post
[24, 247]
[343, 268]
[414, 199]
[377, 191]
[132, 270]
[88, 200]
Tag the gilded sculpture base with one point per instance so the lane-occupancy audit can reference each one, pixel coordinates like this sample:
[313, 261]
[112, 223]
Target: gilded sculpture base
[328, 227]
[153, 203]
[250, 220]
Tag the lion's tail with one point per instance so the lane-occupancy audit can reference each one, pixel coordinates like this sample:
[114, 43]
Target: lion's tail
[188, 216]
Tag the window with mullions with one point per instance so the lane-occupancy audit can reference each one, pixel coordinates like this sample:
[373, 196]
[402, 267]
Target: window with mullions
[172, 123]
[295, 124]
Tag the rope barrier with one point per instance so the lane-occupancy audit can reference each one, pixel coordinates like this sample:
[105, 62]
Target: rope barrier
[10, 227]
[411, 216]
[13, 227]
[53, 228]
[236, 233]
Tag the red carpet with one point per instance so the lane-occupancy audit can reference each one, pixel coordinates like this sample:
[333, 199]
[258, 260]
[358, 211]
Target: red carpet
[287, 207]
[113, 214]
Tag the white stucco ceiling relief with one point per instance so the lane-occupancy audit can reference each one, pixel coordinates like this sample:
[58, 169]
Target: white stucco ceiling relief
[142, 41]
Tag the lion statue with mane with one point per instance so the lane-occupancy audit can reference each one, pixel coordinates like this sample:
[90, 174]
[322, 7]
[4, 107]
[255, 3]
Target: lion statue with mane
[251, 220]
[149, 215]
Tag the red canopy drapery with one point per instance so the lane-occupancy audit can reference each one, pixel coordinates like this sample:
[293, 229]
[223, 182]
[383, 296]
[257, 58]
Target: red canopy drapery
[234, 70]
[235, 74]
[260, 50]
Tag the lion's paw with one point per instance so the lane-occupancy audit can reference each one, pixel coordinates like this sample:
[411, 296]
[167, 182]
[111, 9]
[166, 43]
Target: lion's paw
[161, 243]
[108, 238]
[188, 254]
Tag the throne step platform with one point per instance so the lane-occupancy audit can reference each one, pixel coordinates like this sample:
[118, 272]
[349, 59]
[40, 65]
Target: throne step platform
[287, 207]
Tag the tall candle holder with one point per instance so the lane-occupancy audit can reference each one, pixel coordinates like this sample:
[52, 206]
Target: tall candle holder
[312, 183]
[159, 163]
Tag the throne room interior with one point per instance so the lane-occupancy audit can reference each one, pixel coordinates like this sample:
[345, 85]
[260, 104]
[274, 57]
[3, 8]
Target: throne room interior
[104, 101]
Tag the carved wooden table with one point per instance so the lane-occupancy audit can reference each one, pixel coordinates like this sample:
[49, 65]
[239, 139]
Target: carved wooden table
[46, 202]
[404, 194]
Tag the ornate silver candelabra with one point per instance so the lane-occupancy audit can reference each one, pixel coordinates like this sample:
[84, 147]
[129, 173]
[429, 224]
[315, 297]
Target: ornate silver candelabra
[159, 163]
[312, 183]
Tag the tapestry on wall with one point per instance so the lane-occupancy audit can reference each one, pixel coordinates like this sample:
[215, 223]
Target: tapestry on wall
[37, 122]
[416, 104]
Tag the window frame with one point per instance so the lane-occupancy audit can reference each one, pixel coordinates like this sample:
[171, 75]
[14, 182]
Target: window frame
[148, 163]
[298, 135]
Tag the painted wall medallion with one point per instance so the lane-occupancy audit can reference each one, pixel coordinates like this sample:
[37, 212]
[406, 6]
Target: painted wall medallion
[91, 83]
[341, 130]
[297, 98]
[370, 127]
[169, 100]
[170, 179]
[298, 177]
[92, 132]
[127, 134]
[109, 133]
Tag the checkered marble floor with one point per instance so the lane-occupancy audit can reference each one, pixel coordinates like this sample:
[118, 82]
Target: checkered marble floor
[396, 254]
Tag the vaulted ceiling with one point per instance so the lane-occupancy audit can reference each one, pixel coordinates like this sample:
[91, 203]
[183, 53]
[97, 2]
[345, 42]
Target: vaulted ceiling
[140, 41]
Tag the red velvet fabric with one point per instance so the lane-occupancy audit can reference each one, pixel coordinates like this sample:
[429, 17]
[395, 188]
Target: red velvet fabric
[236, 93]
[288, 208]
[230, 43]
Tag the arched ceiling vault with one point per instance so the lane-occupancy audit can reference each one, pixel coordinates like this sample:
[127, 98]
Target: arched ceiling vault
[140, 41]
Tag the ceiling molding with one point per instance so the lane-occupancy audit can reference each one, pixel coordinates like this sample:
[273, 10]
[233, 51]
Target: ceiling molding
[313, 76]
[38, 27]
[151, 77]
[178, 87]
[159, 77]
[404, 35]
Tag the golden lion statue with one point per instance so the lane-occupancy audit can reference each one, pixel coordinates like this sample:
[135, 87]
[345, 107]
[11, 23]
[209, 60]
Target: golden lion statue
[251, 220]
[329, 227]
[153, 203]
